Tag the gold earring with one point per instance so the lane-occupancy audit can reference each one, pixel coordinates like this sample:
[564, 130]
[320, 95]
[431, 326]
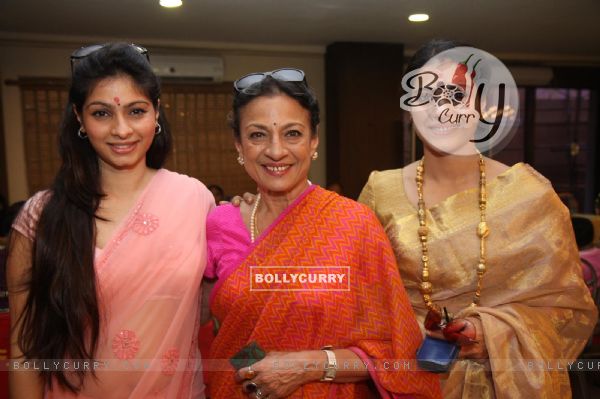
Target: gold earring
[240, 159]
[315, 156]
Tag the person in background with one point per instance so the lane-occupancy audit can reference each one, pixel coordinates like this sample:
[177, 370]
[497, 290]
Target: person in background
[217, 192]
[308, 328]
[3, 208]
[493, 244]
[8, 217]
[588, 252]
[570, 201]
[6, 221]
[105, 267]
[584, 231]
[336, 187]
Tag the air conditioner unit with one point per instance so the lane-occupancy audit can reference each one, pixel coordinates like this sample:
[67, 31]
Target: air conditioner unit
[206, 68]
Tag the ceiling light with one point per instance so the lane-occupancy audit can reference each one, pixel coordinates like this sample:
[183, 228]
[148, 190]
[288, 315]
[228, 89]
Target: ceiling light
[170, 3]
[418, 17]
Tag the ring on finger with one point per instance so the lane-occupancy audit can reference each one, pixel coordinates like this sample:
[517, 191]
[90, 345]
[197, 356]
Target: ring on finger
[250, 374]
[250, 387]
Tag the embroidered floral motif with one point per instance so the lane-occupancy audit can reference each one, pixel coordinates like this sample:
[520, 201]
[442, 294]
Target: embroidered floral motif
[169, 361]
[145, 223]
[125, 345]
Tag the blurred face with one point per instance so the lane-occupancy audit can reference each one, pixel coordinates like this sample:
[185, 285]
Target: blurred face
[120, 122]
[276, 144]
[445, 125]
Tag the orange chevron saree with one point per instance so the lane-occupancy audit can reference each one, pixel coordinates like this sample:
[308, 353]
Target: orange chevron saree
[373, 317]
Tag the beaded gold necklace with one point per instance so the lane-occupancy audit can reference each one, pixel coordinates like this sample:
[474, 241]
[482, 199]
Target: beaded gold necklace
[426, 287]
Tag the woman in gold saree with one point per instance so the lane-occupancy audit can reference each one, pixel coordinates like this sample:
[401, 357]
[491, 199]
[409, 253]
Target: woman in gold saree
[493, 245]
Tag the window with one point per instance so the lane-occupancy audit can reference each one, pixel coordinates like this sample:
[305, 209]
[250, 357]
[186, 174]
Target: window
[43, 102]
[556, 136]
[197, 113]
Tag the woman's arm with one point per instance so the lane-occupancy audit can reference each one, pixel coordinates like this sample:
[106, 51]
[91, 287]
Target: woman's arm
[22, 384]
[280, 374]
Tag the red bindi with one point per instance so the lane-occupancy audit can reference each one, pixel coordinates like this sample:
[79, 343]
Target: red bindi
[117, 101]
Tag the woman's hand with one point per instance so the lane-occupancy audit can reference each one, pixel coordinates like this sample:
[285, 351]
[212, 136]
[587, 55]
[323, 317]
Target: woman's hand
[280, 374]
[471, 327]
[475, 350]
[248, 198]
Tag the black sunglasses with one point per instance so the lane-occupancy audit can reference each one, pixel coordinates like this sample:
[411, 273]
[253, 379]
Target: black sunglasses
[87, 50]
[283, 74]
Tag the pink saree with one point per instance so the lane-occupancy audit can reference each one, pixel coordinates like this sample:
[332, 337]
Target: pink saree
[149, 276]
[372, 317]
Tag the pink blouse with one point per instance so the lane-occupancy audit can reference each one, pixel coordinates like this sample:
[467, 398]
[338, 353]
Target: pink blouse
[225, 251]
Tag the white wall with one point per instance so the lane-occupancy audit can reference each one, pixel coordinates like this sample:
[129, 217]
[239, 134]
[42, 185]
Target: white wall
[50, 58]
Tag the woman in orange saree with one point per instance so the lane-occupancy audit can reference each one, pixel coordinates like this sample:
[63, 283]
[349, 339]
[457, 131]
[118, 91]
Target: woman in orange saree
[307, 270]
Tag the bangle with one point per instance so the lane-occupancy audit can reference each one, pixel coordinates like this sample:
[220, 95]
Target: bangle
[331, 365]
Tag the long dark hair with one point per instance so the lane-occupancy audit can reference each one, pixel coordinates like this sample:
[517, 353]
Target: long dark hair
[61, 318]
[270, 86]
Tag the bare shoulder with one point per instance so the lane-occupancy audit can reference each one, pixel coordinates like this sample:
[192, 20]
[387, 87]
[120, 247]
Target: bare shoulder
[494, 168]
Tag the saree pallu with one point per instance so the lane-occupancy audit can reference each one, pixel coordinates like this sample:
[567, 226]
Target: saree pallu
[148, 282]
[373, 317]
[535, 309]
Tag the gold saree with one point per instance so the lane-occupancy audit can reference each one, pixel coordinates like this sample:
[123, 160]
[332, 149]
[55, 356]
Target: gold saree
[535, 309]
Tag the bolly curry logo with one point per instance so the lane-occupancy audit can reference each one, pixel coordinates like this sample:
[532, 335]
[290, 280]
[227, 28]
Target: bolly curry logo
[462, 101]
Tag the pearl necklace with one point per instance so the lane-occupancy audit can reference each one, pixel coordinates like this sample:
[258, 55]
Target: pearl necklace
[253, 224]
[483, 231]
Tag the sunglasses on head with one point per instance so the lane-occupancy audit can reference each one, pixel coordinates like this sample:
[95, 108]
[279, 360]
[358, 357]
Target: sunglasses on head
[283, 74]
[87, 50]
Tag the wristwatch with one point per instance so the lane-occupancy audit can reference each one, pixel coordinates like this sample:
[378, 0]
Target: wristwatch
[331, 366]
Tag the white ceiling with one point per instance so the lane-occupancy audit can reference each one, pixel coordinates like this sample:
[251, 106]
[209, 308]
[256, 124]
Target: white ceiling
[567, 29]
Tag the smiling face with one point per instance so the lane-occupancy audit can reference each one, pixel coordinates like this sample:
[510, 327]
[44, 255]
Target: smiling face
[120, 122]
[447, 124]
[277, 144]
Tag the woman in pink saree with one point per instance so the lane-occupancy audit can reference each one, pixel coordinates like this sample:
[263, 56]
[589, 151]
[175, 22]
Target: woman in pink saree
[105, 267]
